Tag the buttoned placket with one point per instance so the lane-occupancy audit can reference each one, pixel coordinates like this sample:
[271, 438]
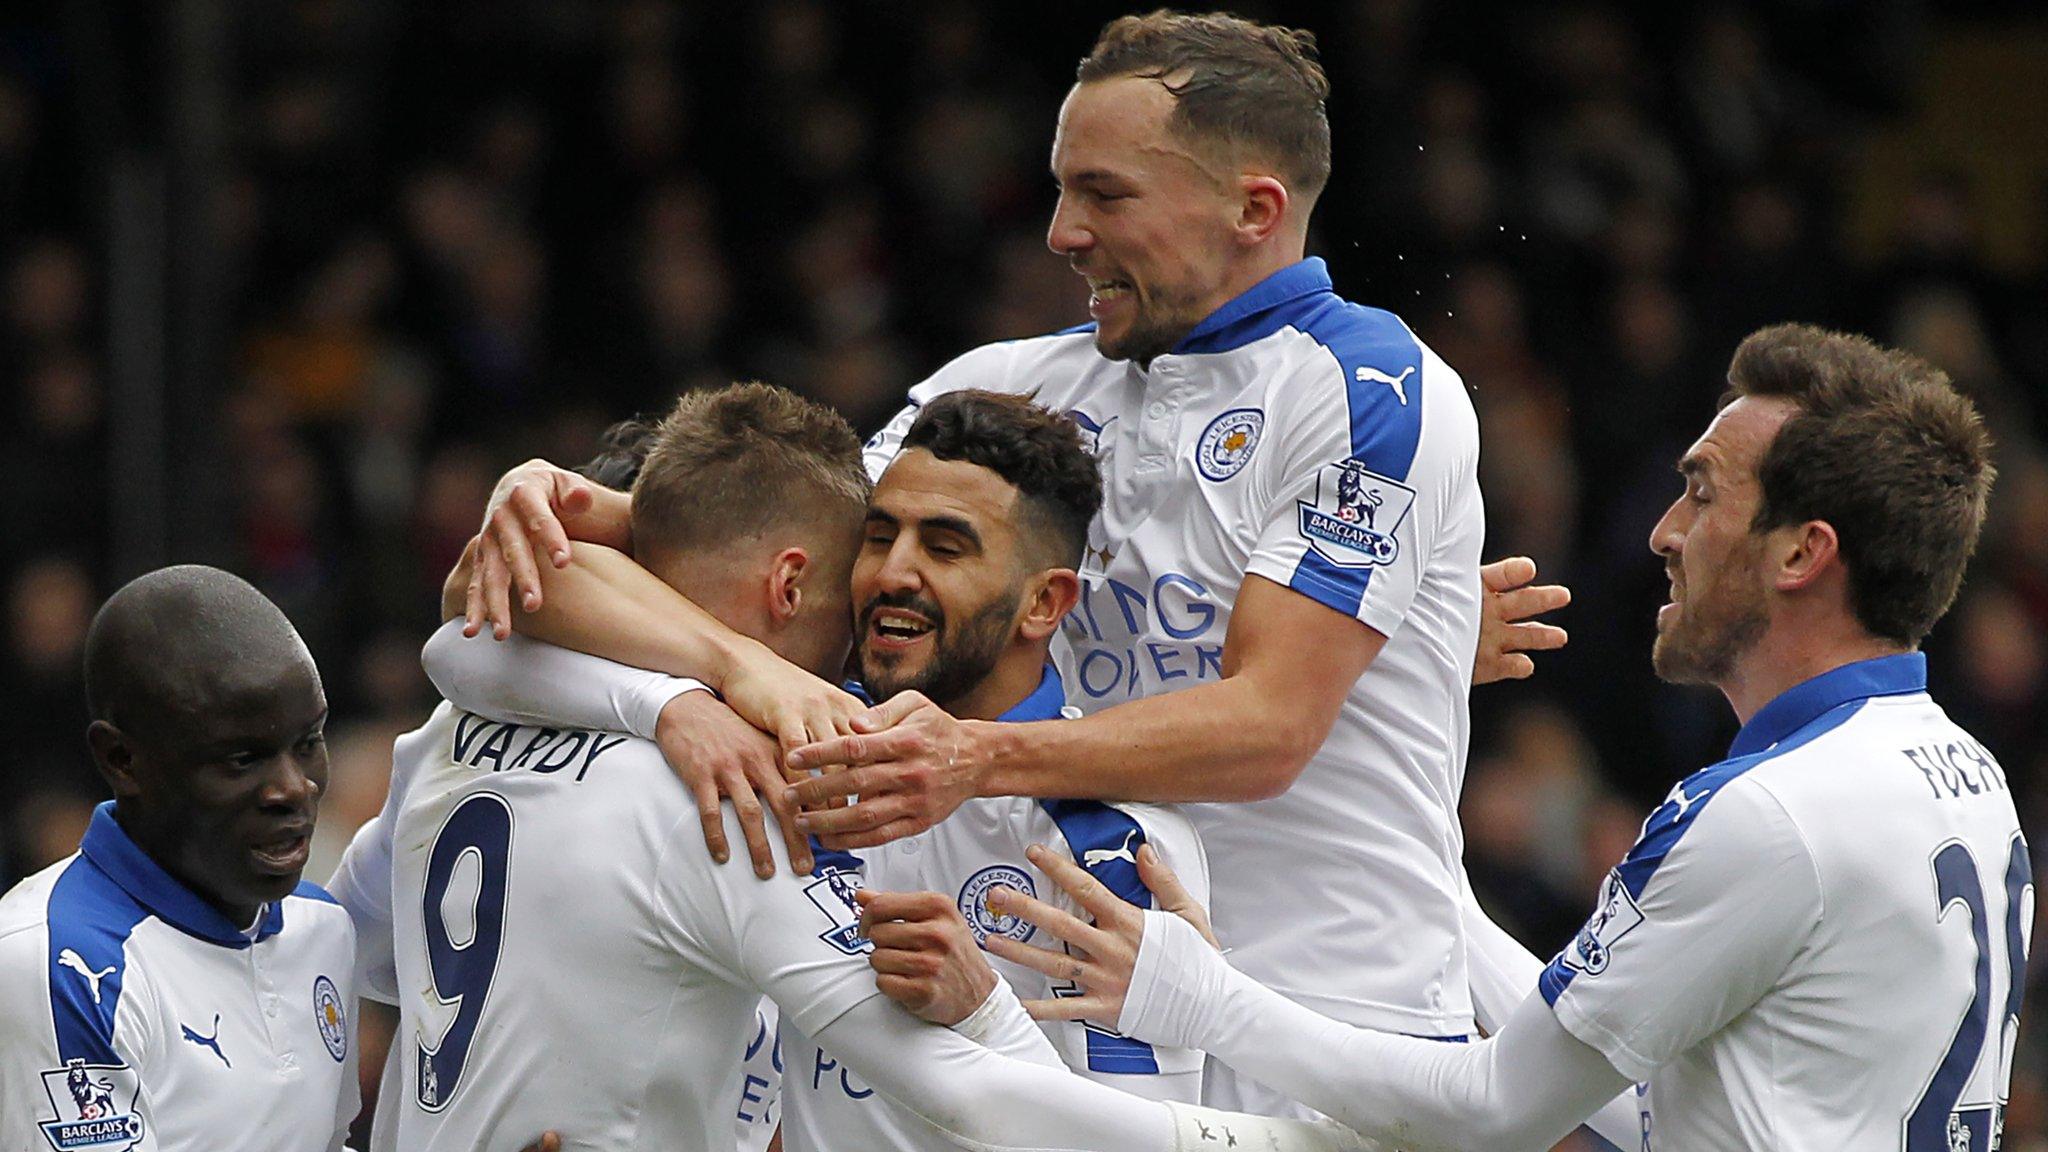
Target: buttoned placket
[271, 1008]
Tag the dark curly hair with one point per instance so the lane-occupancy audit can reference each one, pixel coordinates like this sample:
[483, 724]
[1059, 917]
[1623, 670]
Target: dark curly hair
[1038, 451]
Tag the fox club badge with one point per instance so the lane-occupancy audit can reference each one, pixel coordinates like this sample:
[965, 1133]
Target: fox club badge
[1352, 521]
[94, 1107]
[331, 1017]
[1226, 445]
[984, 921]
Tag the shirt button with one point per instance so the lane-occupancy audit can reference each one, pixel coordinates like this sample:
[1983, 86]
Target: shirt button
[270, 1009]
[1156, 409]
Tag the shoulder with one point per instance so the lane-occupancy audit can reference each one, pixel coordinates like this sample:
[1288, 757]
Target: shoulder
[312, 908]
[1385, 388]
[82, 956]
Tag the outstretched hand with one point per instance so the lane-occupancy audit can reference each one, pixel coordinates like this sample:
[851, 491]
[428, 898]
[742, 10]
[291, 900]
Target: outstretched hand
[1099, 957]
[524, 518]
[1507, 634]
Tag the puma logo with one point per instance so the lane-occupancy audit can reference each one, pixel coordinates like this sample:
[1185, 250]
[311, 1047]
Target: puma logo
[1684, 801]
[72, 960]
[1366, 375]
[212, 1041]
[1094, 856]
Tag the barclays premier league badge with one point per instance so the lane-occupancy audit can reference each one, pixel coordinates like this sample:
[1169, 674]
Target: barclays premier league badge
[832, 894]
[1616, 917]
[1352, 521]
[94, 1106]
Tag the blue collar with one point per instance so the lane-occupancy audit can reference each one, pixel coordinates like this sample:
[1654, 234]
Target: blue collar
[110, 850]
[1235, 324]
[1800, 705]
[1044, 703]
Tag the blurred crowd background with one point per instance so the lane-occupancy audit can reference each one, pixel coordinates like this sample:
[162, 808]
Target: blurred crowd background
[284, 284]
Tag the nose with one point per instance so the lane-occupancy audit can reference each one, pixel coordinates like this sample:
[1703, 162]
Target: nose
[295, 781]
[1068, 234]
[1668, 535]
[899, 571]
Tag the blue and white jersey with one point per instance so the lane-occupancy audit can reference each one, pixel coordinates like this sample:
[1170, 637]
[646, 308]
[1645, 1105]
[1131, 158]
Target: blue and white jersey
[827, 1108]
[1820, 942]
[1317, 444]
[133, 1015]
[565, 954]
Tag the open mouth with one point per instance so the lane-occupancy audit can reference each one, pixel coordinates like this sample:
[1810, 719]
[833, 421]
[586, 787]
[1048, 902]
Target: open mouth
[1104, 293]
[897, 628]
[284, 854]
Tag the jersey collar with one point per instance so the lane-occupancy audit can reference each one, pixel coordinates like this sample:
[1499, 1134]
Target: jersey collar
[110, 850]
[1259, 311]
[1800, 705]
[1044, 703]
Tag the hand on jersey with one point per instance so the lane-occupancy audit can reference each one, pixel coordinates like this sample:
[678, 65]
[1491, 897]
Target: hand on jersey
[925, 958]
[717, 754]
[1100, 956]
[910, 763]
[1507, 634]
[524, 520]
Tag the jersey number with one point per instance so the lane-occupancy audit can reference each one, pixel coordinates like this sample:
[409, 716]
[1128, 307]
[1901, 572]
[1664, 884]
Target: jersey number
[480, 828]
[1935, 1125]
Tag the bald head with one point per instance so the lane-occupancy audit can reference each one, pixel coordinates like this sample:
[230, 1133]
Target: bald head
[174, 640]
[208, 722]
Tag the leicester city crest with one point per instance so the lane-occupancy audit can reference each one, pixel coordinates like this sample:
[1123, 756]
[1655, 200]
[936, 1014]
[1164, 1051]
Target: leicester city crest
[1226, 445]
[330, 1015]
[1352, 521]
[93, 1106]
[983, 921]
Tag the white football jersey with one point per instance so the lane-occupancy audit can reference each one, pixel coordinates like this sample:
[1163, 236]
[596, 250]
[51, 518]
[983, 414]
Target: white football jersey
[133, 1015]
[567, 956]
[827, 1108]
[759, 1115]
[1318, 444]
[1819, 943]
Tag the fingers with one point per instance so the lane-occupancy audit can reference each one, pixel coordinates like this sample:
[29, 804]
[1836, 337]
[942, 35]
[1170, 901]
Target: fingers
[887, 834]
[1059, 922]
[1513, 666]
[506, 527]
[890, 712]
[495, 581]
[747, 806]
[1171, 895]
[1097, 1008]
[874, 811]
[1522, 603]
[1058, 965]
[548, 1142]
[815, 791]
[712, 816]
[573, 494]
[1534, 637]
[1107, 907]
[1507, 572]
[773, 789]
[855, 750]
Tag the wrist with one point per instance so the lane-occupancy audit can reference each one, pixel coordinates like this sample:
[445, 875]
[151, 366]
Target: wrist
[996, 1003]
[991, 757]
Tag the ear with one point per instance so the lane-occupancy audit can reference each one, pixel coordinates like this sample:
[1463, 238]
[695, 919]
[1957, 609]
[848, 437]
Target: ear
[1262, 207]
[114, 756]
[1053, 594]
[785, 584]
[1805, 554]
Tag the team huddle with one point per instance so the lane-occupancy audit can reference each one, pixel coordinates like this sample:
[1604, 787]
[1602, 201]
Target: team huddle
[1094, 734]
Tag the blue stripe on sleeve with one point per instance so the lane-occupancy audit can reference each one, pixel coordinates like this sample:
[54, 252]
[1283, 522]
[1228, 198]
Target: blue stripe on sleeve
[1112, 838]
[1669, 824]
[90, 918]
[1386, 418]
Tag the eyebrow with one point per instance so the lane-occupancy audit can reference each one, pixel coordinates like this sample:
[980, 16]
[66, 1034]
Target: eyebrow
[1691, 464]
[953, 524]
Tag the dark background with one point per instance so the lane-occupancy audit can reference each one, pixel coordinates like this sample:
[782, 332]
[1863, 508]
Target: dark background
[284, 285]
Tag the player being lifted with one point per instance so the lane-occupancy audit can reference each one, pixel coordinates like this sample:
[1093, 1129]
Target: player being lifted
[1280, 599]
[563, 945]
[1818, 943]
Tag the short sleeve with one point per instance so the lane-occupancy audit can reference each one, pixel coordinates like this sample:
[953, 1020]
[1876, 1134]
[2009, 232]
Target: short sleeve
[794, 938]
[85, 1091]
[1368, 471]
[361, 883]
[1698, 921]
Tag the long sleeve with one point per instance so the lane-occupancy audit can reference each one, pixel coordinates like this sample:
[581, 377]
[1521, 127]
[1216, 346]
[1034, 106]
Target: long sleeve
[1525, 1087]
[524, 681]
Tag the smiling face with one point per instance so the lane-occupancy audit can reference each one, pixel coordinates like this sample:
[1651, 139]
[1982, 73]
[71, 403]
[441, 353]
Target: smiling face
[1144, 216]
[220, 784]
[939, 582]
[1719, 605]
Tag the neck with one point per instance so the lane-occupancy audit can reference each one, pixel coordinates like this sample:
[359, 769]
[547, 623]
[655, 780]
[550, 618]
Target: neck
[1014, 677]
[159, 845]
[1255, 267]
[1787, 657]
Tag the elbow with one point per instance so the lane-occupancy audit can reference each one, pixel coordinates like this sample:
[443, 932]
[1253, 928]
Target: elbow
[1269, 773]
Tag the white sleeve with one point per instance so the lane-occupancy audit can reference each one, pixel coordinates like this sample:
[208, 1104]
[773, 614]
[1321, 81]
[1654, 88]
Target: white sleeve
[985, 1101]
[1360, 480]
[523, 681]
[1525, 1087]
[43, 1030]
[1502, 973]
[1696, 923]
[1001, 1025]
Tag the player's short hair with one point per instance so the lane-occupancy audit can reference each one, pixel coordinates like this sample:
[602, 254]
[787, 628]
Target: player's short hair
[1035, 450]
[733, 462]
[620, 452]
[1238, 85]
[1886, 451]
